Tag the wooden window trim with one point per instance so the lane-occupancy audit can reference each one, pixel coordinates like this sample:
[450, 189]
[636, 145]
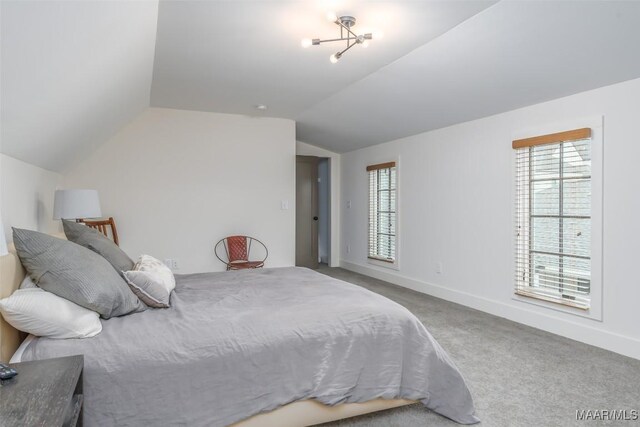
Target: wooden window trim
[552, 138]
[381, 166]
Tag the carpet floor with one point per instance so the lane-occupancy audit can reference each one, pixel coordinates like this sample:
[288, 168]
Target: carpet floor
[518, 375]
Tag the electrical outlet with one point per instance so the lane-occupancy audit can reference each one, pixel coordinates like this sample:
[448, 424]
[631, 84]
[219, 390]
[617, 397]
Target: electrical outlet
[348, 204]
[439, 267]
[171, 263]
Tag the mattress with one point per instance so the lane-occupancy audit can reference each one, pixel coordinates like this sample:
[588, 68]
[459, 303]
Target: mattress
[239, 343]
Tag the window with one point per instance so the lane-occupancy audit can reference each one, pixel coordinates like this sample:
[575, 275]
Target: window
[382, 212]
[553, 217]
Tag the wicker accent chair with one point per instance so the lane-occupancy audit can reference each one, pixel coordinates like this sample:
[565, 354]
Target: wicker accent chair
[235, 252]
[103, 226]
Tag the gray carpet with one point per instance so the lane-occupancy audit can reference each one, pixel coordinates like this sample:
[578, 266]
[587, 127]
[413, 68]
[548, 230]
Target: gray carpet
[518, 375]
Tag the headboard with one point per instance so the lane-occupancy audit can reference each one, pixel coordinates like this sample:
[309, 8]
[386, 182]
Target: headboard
[11, 275]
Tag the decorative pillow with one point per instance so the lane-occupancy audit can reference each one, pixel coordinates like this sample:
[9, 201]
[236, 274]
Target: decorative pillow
[38, 312]
[151, 281]
[74, 273]
[97, 242]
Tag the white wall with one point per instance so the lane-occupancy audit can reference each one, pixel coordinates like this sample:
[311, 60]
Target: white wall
[26, 196]
[304, 149]
[178, 181]
[456, 204]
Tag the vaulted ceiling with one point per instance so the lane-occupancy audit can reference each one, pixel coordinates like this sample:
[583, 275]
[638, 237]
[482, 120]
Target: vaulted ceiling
[74, 73]
[230, 56]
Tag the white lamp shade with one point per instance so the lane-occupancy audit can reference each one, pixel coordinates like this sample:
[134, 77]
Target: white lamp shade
[3, 240]
[71, 204]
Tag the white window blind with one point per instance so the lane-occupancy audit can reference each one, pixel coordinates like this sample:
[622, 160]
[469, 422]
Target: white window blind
[382, 211]
[553, 217]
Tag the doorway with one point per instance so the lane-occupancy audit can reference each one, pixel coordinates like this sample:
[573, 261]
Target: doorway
[312, 211]
[324, 211]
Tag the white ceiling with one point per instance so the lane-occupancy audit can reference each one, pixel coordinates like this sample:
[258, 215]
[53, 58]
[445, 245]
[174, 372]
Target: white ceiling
[229, 56]
[74, 73]
[511, 55]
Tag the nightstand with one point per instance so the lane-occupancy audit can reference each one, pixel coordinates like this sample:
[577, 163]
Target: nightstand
[44, 393]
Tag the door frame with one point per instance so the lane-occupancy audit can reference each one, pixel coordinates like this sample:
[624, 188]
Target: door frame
[313, 160]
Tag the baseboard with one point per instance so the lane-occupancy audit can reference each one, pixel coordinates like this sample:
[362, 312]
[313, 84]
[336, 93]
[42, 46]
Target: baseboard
[617, 343]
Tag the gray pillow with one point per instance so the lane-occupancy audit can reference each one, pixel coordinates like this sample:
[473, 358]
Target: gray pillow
[74, 273]
[99, 243]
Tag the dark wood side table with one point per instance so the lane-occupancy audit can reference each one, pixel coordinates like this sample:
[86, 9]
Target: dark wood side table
[44, 393]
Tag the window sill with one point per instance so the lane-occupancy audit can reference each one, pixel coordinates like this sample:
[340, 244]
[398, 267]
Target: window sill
[542, 297]
[587, 313]
[392, 265]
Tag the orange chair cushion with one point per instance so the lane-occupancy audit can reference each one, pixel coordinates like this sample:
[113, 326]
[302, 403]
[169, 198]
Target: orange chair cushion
[237, 246]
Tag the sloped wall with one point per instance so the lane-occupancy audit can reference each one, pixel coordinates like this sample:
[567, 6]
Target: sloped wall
[73, 73]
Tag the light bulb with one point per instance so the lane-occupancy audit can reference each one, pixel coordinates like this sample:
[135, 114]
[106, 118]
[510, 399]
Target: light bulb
[365, 43]
[334, 58]
[377, 35]
[332, 17]
[306, 43]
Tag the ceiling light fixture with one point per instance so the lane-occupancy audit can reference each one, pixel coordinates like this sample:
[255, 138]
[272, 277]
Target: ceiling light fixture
[346, 35]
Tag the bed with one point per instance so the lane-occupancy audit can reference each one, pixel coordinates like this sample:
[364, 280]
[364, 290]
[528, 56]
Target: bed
[271, 347]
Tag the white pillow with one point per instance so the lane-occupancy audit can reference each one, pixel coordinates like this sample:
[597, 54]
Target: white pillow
[38, 312]
[27, 283]
[151, 281]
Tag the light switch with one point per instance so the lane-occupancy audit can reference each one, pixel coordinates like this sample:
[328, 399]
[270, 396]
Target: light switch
[284, 205]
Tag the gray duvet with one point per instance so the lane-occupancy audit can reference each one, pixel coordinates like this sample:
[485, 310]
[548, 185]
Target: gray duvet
[238, 343]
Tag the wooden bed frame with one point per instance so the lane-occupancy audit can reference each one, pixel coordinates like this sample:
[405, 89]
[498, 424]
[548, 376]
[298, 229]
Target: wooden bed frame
[296, 414]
